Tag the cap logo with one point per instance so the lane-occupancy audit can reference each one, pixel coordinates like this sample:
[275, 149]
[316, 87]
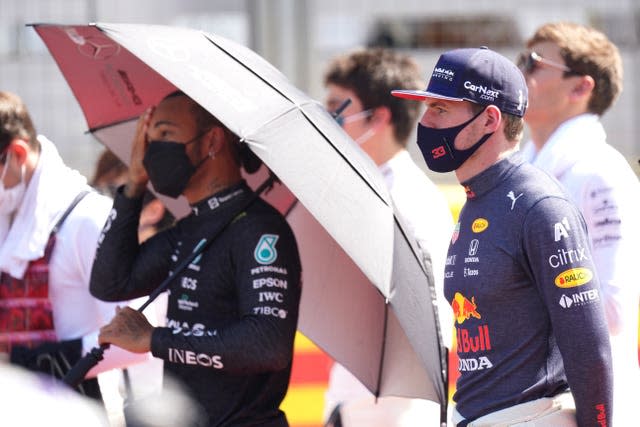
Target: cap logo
[485, 92]
[443, 73]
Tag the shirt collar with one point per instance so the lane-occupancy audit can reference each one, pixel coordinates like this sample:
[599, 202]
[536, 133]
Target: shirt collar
[490, 178]
[220, 199]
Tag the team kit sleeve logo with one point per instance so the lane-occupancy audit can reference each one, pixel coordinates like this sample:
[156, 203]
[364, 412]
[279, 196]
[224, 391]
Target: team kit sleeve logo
[265, 252]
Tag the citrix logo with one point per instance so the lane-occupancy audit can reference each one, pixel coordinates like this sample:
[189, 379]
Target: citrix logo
[567, 256]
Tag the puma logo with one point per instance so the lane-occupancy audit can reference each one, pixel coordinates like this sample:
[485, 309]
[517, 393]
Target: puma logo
[511, 195]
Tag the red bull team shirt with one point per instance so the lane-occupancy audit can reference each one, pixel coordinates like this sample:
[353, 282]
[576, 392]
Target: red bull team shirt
[525, 297]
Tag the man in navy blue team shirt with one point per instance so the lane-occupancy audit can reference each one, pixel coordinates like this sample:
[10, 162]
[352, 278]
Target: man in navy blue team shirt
[532, 336]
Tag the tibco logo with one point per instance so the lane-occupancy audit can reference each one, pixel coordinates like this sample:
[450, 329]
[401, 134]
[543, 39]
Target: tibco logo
[270, 311]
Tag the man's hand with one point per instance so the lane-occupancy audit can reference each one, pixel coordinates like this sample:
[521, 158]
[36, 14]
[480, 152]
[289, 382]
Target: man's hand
[138, 178]
[129, 330]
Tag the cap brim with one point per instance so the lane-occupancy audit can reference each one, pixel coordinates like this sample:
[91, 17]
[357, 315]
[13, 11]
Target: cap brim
[421, 95]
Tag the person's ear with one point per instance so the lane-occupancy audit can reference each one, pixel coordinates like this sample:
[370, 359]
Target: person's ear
[492, 119]
[380, 116]
[582, 88]
[216, 140]
[19, 149]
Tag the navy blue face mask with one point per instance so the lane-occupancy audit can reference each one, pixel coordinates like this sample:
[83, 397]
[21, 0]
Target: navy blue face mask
[438, 150]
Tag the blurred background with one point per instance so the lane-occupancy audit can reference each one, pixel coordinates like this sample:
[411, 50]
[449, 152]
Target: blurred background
[299, 37]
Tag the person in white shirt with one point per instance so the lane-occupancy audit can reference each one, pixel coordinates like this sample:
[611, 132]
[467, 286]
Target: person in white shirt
[381, 124]
[574, 74]
[51, 221]
[142, 381]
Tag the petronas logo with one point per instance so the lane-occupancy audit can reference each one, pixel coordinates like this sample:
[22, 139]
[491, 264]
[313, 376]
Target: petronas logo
[265, 252]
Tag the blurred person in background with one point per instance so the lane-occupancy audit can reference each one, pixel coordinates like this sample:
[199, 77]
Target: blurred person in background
[381, 124]
[111, 173]
[50, 221]
[31, 399]
[144, 380]
[574, 74]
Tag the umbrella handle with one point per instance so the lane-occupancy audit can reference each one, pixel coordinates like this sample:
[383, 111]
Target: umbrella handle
[77, 373]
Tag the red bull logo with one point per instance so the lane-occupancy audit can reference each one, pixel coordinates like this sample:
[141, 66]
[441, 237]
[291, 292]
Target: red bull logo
[470, 341]
[463, 309]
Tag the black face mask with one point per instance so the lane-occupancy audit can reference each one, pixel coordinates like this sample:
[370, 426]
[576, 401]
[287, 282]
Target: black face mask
[169, 167]
[438, 150]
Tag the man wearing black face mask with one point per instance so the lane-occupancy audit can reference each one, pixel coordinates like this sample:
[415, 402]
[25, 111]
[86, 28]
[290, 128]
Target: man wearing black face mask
[532, 341]
[232, 313]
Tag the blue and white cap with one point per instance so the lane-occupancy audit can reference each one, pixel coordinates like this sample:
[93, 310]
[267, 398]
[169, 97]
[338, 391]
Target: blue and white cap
[478, 75]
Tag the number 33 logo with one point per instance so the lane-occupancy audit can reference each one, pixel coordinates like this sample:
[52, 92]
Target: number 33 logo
[438, 152]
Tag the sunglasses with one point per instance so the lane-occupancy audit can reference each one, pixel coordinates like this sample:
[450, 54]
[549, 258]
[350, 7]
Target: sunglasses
[528, 62]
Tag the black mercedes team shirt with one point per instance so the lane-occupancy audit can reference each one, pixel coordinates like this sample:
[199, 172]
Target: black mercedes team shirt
[232, 313]
[527, 305]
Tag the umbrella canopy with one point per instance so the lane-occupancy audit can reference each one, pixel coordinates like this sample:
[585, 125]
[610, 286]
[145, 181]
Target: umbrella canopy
[357, 259]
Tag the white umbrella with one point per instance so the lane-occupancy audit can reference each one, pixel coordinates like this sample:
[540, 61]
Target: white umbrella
[368, 300]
